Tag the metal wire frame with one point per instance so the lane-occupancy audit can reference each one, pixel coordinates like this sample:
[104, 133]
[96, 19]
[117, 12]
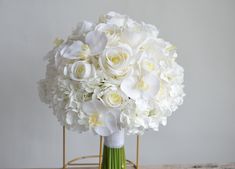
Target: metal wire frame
[74, 163]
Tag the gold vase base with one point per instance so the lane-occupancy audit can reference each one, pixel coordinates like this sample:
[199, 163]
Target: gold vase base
[74, 162]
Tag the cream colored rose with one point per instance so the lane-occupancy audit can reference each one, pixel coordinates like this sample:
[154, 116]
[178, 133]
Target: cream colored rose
[116, 61]
[113, 98]
[81, 70]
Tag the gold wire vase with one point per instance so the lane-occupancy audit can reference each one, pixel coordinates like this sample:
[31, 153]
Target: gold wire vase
[118, 160]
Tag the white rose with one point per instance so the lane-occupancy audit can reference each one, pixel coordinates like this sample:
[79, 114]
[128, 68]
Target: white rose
[113, 97]
[115, 61]
[81, 70]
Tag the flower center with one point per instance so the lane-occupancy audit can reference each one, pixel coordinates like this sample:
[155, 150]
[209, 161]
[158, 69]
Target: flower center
[115, 98]
[110, 31]
[142, 85]
[149, 66]
[80, 70]
[117, 59]
[94, 120]
[85, 50]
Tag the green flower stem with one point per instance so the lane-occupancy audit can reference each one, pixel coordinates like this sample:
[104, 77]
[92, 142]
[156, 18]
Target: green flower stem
[114, 158]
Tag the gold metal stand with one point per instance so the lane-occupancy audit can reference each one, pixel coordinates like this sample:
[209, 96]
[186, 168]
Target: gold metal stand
[74, 163]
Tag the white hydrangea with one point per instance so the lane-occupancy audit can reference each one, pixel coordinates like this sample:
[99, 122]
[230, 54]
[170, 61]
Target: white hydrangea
[115, 74]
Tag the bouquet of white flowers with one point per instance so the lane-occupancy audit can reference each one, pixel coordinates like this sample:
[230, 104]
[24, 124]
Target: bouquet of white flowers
[112, 76]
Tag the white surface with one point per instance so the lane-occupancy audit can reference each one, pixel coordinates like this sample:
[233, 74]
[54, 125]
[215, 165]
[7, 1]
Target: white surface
[202, 130]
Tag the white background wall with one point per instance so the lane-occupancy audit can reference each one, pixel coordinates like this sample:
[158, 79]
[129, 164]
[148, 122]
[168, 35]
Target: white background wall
[202, 130]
